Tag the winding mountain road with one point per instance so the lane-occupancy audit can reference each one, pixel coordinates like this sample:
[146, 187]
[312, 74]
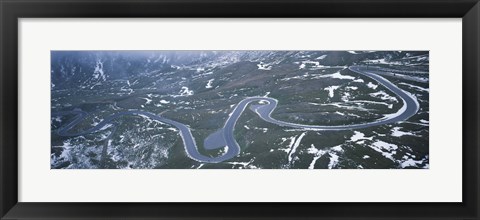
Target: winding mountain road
[224, 137]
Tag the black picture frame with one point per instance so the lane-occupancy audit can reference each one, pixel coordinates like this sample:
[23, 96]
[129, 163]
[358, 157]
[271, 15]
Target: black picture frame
[12, 10]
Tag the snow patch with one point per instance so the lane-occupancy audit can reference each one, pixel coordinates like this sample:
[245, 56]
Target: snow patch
[164, 101]
[386, 149]
[371, 85]
[337, 148]
[383, 96]
[294, 145]
[411, 162]
[185, 91]
[333, 160]
[397, 133]
[359, 80]
[209, 84]
[336, 75]
[148, 101]
[263, 66]
[351, 87]
[330, 90]
[318, 153]
[359, 136]
[98, 72]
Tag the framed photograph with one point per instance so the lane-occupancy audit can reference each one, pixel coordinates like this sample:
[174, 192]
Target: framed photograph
[251, 110]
